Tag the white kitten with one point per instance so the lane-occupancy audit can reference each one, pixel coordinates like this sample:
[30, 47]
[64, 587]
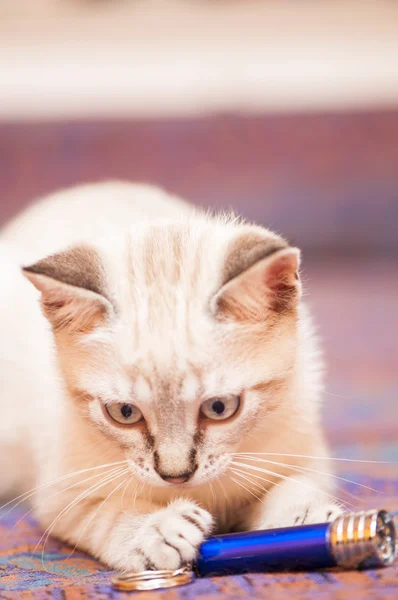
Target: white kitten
[171, 356]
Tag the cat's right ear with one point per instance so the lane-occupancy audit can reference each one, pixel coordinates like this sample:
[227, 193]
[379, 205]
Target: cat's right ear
[260, 279]
[73, 289]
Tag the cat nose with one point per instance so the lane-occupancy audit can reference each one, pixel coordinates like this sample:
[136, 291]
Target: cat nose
[183, 478]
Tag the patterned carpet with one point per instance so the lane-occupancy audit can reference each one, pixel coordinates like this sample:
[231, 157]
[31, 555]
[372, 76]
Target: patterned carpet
[355, 306]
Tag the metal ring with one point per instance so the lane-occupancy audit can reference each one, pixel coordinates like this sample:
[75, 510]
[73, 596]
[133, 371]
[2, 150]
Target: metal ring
[153, 580]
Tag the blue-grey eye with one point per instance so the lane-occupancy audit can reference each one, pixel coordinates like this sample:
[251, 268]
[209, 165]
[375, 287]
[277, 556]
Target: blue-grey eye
[219, 409]
[125, 414]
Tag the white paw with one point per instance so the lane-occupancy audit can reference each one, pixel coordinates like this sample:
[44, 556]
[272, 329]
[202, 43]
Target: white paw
[169, 538]
[305, 515]
[319, 514]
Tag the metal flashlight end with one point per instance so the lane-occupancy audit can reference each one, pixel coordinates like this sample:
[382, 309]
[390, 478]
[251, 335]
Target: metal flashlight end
[364, 539]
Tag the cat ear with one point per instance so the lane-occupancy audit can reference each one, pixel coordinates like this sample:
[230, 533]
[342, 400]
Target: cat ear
[263, 279]
[73, 289]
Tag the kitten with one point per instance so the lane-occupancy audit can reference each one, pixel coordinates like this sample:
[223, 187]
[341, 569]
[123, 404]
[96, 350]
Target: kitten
[172, 367]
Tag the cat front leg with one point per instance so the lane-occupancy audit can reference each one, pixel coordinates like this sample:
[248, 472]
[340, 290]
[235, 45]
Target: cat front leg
[296, 501]
[146, 537]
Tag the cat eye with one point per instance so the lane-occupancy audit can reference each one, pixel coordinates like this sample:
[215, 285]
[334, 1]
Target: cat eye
[219, 409]
[125, 414]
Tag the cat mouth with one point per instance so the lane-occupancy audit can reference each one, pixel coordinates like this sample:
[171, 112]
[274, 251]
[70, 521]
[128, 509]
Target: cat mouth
[180, 480]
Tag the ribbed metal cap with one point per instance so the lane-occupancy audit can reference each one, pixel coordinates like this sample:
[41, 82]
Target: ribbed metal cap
[363, 539]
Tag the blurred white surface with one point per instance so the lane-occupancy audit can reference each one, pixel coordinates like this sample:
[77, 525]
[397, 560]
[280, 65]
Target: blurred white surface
[137, 58]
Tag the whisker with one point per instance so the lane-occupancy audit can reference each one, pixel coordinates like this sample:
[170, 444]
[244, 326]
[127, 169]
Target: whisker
[137, 484]
[95, 513]
[246, 489]
[341, 488]
[68, 508]
[367, 487]
[226, 497]
[31, 492]
[353, 460]
[150, 492]
[143, 488]
[260, 488]
[142, 491]
[129, 480]
[109, 472]
[213, 497]
[340, 395]
[136, 492]
[252, 475]
[287, 478]
[107, 479]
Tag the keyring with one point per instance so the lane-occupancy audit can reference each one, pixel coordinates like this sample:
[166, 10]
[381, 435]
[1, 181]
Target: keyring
[153, 580]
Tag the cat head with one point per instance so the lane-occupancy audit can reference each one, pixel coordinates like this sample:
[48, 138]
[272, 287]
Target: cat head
[174, 340]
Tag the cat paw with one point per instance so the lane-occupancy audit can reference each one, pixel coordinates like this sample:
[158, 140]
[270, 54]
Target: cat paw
[306, 515]
[170, 538]
[318, 514]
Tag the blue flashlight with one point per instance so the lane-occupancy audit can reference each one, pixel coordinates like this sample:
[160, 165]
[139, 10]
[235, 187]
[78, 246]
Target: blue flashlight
[353, 540]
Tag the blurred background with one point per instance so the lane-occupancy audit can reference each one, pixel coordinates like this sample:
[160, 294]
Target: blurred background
[285, 111]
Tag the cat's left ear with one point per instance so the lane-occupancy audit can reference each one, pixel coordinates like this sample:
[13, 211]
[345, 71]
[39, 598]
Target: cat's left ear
[263, 278]
[73, 289]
